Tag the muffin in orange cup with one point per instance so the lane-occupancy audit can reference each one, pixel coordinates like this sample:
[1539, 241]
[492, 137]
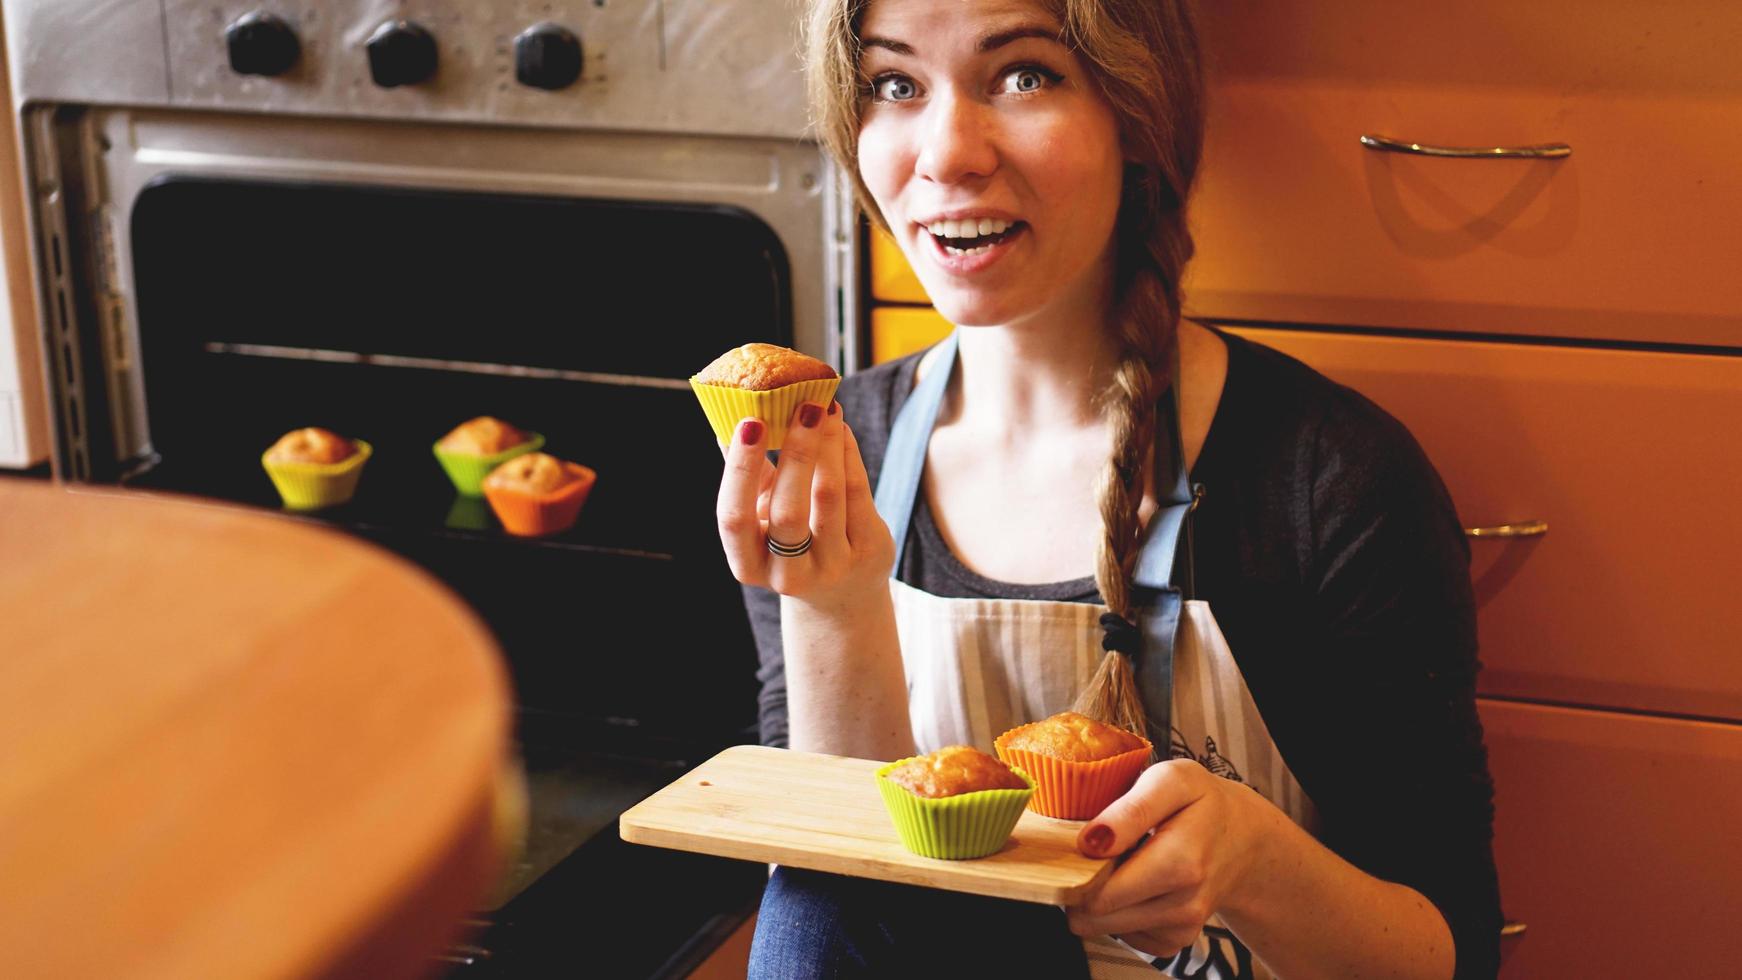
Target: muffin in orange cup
[536, 494]
[761, 381]
[1079, 765]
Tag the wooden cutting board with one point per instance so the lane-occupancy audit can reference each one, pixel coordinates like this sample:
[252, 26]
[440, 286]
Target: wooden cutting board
[823, 812]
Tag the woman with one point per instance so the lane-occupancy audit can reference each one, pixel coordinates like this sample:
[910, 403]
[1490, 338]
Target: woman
[1033, 159]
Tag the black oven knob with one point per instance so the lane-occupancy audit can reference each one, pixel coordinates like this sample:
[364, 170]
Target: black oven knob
[401, 53]
[547, 56]
[261, 44]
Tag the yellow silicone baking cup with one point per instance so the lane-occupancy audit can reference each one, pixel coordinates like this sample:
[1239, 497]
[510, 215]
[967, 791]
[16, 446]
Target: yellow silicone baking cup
[468, 471]
[726, 406]
[311, 486]
[1075, 790]
[956, 828]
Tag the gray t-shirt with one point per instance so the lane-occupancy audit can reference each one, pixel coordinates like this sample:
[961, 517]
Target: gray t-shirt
[1336, 566]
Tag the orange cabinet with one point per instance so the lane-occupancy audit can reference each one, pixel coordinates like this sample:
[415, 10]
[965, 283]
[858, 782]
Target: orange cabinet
[900, 330]
[1629, 456]
[1617, 841]
[1632, 237]
[892, 278]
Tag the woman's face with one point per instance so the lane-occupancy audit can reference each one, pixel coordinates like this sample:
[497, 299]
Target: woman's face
[991, 154]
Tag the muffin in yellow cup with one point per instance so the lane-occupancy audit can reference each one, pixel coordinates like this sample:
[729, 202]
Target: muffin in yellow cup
[477, 446]
[314, 468]
[761, 381]
[1078, 765]
[955, 803]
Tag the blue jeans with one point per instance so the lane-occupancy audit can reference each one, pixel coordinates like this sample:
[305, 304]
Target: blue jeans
[814, 926]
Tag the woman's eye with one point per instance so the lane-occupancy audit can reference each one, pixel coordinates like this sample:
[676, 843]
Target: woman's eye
[893, 88]
[1024, 80]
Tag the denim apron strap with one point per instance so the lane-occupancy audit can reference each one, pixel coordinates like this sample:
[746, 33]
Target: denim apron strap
[904, 458]
[1156, 600]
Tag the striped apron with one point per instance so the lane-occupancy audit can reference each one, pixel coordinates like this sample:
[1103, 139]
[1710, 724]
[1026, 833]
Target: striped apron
[979, 667]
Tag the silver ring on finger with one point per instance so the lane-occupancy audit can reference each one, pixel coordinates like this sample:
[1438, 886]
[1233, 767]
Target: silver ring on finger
[789, 550]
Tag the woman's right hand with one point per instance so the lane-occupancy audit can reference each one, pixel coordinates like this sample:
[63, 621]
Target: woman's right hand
[819, 489]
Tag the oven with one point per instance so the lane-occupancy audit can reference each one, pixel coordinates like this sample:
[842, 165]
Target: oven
[384, 217]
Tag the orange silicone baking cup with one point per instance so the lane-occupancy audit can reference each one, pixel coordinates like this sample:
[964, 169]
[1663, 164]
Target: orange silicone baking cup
[532, 514]
[1075, 790]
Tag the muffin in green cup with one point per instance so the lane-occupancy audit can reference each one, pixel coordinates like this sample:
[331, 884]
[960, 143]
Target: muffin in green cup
[956, 803]
[477, 446]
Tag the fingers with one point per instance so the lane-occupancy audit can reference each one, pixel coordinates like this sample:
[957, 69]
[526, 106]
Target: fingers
[1163, 790]
[864, 524]
[1160, 926]
[829, 489]
[789, 509]
[747, 467]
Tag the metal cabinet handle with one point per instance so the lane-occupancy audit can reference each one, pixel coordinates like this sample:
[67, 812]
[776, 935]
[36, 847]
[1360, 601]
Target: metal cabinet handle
[1543, 151]
[1522, 529]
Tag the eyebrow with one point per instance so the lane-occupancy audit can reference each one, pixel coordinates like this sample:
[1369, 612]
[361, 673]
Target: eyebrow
[990, 42]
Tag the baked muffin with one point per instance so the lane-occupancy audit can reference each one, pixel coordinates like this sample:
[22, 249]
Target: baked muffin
[534, 494]
[761, 381]
[1079, 765]
[955, 803]
[1073, 738]
[952, 771]
[311, 445]
[314, 468]
[477, 446]
[764, 367]
[532, 473]
[483, 436]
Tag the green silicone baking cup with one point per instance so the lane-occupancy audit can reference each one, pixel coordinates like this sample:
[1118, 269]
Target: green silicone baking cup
[954, 827]
[468, 471]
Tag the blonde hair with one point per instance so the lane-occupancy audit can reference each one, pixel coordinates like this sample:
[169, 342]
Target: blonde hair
[1143, 57]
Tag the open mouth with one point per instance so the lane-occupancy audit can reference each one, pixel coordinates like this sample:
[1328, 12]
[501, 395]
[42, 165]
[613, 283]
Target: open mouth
[972, 236]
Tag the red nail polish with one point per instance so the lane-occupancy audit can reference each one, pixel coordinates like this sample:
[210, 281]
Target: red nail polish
[834, 407]
[1098, 838]
[750, 432]
[810, 415]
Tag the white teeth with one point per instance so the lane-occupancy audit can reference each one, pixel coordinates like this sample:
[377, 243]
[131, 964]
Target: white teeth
[951, 249]
[969, 228]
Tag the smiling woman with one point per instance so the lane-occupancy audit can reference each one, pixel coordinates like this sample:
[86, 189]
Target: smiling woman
[1032, 160]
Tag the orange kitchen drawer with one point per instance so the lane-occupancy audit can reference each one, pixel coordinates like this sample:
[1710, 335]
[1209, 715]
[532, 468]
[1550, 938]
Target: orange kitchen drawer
[892, 279]
[1634, 236]
[1616, 841]
[1631, 457]
[897, 331]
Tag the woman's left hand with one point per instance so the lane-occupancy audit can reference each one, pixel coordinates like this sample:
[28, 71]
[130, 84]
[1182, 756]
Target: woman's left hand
[1208, 832]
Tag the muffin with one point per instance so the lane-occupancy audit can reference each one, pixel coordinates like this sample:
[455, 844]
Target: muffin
[482, 436]
[477, 446]
[314, 468]
[764, 381]
[1079, 765]
[953, 771]
[535, 494]
[956, 803]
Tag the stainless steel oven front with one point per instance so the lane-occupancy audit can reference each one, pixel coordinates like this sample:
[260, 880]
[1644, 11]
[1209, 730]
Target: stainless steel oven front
[387, 216]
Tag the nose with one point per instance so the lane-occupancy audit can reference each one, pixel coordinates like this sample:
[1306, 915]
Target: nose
[959, 141]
